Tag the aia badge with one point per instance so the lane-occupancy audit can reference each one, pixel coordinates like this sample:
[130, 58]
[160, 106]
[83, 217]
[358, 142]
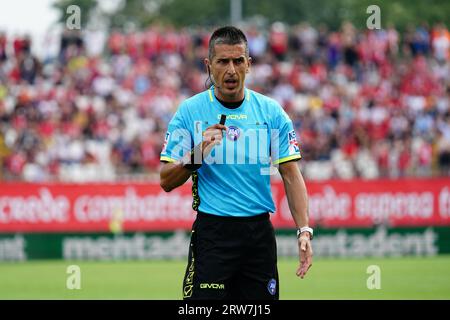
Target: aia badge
[233, 133]
[166, 141]
[272, 286]
[293, 144]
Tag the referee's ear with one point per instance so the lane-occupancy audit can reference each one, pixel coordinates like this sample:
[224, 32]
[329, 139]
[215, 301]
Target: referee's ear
[249, 64]
[206, 61]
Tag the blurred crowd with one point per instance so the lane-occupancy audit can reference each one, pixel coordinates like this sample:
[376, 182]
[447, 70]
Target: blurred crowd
[365, 103]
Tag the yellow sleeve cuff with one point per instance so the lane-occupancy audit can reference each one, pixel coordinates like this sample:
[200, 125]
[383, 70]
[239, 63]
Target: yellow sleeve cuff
[286, 159]
[167, 159]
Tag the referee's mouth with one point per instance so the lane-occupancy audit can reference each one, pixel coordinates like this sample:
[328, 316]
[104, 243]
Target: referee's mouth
[231, 83]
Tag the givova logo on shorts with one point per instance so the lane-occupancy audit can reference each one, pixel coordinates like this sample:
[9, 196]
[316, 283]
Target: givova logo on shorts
[212, 286]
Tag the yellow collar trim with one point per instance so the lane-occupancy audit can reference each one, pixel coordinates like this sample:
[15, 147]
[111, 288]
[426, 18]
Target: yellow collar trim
[210, 91]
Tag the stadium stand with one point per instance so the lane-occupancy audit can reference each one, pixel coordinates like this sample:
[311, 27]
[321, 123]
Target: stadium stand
[368, 104]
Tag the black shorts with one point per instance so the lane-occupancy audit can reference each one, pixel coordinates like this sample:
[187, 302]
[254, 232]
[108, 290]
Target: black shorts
[232, 258]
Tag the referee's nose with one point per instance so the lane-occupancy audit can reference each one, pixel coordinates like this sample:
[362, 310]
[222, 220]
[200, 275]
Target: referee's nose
[231, 69]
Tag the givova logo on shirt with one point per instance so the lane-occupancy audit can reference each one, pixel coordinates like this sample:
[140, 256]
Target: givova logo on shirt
[234, 117]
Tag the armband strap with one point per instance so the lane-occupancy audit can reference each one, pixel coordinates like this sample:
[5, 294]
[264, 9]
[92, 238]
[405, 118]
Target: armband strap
[194, 159]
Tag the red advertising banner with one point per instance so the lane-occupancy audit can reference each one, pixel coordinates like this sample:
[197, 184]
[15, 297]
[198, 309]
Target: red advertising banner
[146, 207]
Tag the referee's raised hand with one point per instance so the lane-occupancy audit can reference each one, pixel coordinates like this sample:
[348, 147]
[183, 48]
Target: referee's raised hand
[212, 136]
[175, 174]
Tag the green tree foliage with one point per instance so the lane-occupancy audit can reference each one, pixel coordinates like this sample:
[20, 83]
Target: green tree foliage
[400, 13]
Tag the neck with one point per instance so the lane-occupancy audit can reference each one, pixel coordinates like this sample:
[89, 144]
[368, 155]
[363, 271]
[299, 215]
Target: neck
[231, 105]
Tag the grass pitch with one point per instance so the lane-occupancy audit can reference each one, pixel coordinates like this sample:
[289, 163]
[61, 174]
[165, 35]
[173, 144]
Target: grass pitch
[401, 278]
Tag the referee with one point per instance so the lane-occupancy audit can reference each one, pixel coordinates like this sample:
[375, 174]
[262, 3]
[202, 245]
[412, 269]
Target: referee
[224, 138]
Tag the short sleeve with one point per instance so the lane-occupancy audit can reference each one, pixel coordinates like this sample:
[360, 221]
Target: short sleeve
[178, 139]
[284, 144]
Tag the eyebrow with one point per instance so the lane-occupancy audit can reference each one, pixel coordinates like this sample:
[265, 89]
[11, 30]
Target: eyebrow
[234, 59]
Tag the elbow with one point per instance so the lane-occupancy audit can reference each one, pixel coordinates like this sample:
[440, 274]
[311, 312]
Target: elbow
[164, 182]
[165, 186]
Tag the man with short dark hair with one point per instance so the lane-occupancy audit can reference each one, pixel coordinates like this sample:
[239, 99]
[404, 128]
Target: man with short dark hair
[232, 253]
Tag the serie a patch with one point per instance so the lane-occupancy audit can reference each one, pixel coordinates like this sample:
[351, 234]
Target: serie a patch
[293, 144]
[166, 141]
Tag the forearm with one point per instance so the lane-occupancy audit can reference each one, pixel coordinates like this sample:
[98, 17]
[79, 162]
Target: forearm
[297, 196]
[173, 175]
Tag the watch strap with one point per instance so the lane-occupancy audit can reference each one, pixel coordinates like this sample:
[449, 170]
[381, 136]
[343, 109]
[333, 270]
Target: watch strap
[307, 229]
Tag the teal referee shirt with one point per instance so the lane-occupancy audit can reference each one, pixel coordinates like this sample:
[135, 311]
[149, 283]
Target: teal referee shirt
[234, 179]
